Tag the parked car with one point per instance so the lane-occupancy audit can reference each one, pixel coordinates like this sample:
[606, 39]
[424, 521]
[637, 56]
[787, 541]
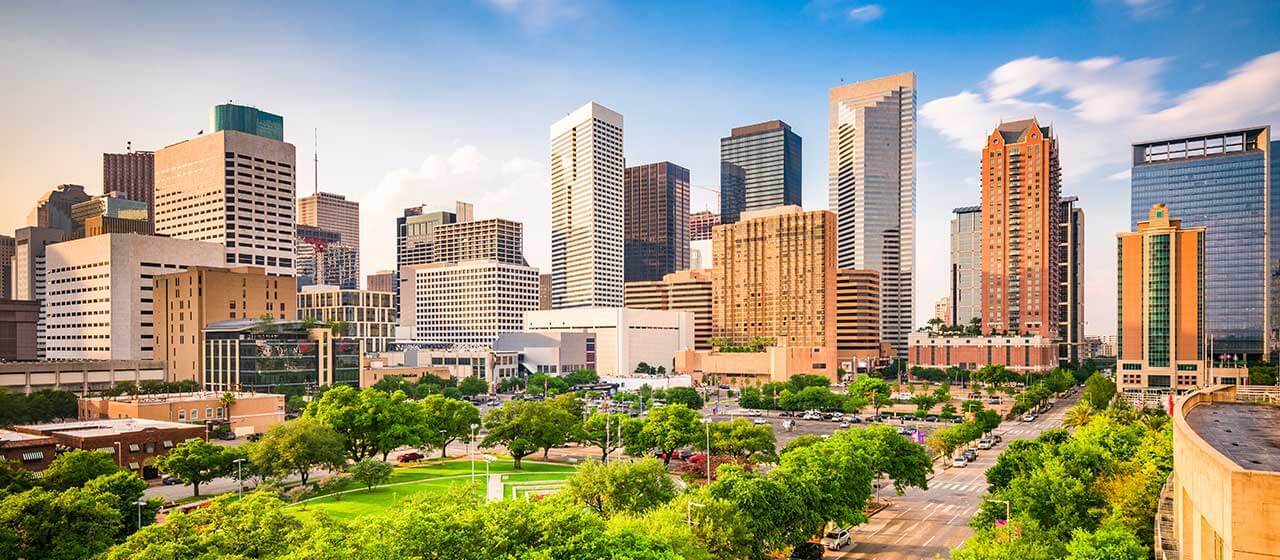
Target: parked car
[807, 551]
[844, 424]
[971, 455]
[169, 480]
[903, 431]
[930, 418]
[853, 419]
[227, 436]
[985, 444]
[786, 414]
[959, 462]
[836, 539]
[759, 421]
[957, 420]
[254, 436]
[1029, 417]
[908, 418]
[410, 457]
[751, 412]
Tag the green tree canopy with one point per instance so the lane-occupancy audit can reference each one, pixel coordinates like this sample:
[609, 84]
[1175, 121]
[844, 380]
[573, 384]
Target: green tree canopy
[298, 447]
[605, 431]
[1098, 391]
[370, 421]
[666, 429]
[69, 525]
[75, 468]
[621, 486]
[195, 462]
[257, 526]
[472, 386]
[742, 440]
[686, 396]
[447, 420]
[370, 472]
[524, 427]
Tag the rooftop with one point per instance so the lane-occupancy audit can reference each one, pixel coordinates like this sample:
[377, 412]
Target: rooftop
[7, 436]
[183, 397]
[105, 427]
[1246, 433]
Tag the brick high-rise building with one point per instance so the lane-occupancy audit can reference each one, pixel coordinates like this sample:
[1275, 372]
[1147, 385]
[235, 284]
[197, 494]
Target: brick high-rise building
[333, 212]
[760, 168]
[685, 290]
[775, 276]
[858, 315]
[380, 281]
[656, 224]
[701, 224]
[131, 176]
[1021, 184]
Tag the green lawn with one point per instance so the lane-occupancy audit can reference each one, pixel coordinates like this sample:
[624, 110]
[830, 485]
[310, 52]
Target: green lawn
[436, 478]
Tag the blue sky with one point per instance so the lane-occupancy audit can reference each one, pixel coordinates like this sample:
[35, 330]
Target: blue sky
[432, 102]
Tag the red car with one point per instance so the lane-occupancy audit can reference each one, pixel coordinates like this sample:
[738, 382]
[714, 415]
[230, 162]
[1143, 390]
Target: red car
[410, 457]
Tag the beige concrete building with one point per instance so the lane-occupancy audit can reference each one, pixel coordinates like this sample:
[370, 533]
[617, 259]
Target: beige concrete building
[1223, 500]
[188, 301]
[381, 281]
[752, 369]
[685, 290]
[233, 189]
[81, 377]
[368, 315]
[623, 337]
[248, 412]
[496, 239]
[775, 276]
[333, 212]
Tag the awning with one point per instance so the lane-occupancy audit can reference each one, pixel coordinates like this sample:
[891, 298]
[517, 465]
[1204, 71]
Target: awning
[168, 444]
[133, 466]
[134, 447]
[111, 450]
[33, 456]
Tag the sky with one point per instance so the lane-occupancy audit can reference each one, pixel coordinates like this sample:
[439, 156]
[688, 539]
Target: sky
[432, 102]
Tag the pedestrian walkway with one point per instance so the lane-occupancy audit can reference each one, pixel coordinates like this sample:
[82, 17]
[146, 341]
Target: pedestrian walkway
[495, 488]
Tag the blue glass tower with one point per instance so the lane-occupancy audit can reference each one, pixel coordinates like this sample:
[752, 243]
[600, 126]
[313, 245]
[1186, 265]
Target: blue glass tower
[246, 119]
[1223, 181]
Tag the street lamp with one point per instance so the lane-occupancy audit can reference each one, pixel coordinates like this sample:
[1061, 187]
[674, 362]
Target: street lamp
[119, 453]
[707, 456]
[1007, 512]
[239, 477]
[139, 503]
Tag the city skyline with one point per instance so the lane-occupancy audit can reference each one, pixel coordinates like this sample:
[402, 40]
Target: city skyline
[1100, 100]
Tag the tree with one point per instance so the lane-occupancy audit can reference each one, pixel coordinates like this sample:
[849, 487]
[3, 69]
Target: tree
[1078, 415]
[257, 526]
[541, 383]
[581, 377]
[603, 430]
[298, 447]
[685, 396]
[227, 399]
[1098, 391]
[195, 462]
[772, 509]
[742, 440]
[370, 472]
[74, 469]
[472, 386]
[523, 427]
[14, 478]
[923, 403]
[267, 323]
[69, 525]
[801, 441]
[971, 406]
[876, 391]
[1109, 542]
[644, 369]
[369, 421]
[127, 489]
[666, 429]
[447, 420]
[631, 487]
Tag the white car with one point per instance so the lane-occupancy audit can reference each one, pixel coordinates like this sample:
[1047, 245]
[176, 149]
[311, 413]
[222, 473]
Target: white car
[959, 462]
[836, 539]
[985, 444]
[751, 412]
[759, 421]
[1029, 417]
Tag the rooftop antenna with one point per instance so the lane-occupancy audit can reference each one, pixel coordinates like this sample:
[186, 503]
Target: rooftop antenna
[316, 153]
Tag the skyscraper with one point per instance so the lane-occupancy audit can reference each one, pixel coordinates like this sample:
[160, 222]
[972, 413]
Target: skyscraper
[6, 266]
[966, 265]
[1070, 263]
[760, 167]
[29, 257]
[1021, 230]
[53, 210]
[872, 190]
[657, 220]
[131, 176]
[415, 239]
[380, 281]
[322, 258]
[334, 212]
[1224, 181]
[249, 120]
[587, 209]
[234, 189]
[701, 223]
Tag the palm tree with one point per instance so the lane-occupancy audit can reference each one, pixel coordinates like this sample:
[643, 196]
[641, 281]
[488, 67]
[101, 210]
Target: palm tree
[1078, 415]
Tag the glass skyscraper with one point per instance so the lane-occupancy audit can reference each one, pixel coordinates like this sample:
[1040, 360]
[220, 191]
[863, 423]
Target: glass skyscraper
[1223, 181]
[759, 169]
[248, 120]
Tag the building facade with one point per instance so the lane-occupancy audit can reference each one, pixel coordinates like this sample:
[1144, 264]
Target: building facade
[872, 190]
[1070, 263]
[53, 210]
[112, 207]
[30, 259]
[1029, 353]
[367, 315]
[131, 176]
[469, 302]
[753, 369]
[701, 224]
[686, 290]
[247, 413]
[100, 297]
[18, 320]
[544, 291]
[234, 189]
[33, 453]
[623, 337]
[1021, 185]
[321, 257]
[286, 357]
[333, 212]
[587, 208]
[858, 317]
[760, 168]
[381, 281]
[7, 246]
[656, 223]
[942, 310]
[1223, 181]
[495, 239]
[186, 301]
[80, 377]
[132, 442]
[415, 240]
[966, 265]
[775, 276]
[248, 120]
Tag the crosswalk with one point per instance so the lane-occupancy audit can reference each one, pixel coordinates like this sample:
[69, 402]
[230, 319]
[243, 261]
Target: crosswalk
[971, 487]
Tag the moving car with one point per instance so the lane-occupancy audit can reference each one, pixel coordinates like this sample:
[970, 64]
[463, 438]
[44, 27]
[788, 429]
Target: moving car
[959, 462]
[970, 455]
[759, 421]
[985, 444]
[170, 480]
[807, 551]
[1029, 417]
[930, 418]
[836, 539]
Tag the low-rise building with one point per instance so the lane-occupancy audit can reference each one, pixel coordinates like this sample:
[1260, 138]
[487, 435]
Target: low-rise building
[18, 319]
[455, 362]
[1032, 353]
[366, 315]
[751, 369]
[132, 442]
[246, 413]
[624, 337]
[277, 357]
[31, 452]
[78, 376]
[684, 290]
[381, 281]
[549, 352]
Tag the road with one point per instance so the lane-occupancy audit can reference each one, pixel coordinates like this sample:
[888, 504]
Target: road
[922, 524]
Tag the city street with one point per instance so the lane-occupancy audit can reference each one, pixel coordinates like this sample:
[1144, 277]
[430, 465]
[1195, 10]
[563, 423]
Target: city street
[924, 523]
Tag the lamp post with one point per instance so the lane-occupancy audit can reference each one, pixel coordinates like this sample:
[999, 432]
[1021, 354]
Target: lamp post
[119, 453]
[139, 503]
[471, 455]
[707, 456]
[239, 477]
[1007, 512]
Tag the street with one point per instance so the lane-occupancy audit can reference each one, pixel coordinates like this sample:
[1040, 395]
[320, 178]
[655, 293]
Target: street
[922, 524]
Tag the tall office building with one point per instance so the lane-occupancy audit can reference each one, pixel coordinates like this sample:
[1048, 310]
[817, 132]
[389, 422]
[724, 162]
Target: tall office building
[657, 220]
[775, 276]
[544, 291]
[249, 120]
[220, 294]
[131, 176]
[760, 168]
[1160, 273]
[416, 233]
[468, 302]
[1021, 186]
[1224, 181]
[1070, 263]
[29, 259]
[701, 223]
[858, 316]
[965, 274]
[684, 290]
[53, 210]
[872, 190]
[587, 209]
[333, 212]
[321, 257]
[495, 238]
[231, 188]
[7, 246]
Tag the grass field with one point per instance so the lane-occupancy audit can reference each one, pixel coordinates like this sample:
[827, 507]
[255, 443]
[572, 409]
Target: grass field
[436, 478]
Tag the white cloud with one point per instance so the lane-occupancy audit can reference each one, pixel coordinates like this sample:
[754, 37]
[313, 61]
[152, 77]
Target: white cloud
[865, 14]
[513, 188]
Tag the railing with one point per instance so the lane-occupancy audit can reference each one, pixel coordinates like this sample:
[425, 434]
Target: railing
[1166, 541]
[1268, 394]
